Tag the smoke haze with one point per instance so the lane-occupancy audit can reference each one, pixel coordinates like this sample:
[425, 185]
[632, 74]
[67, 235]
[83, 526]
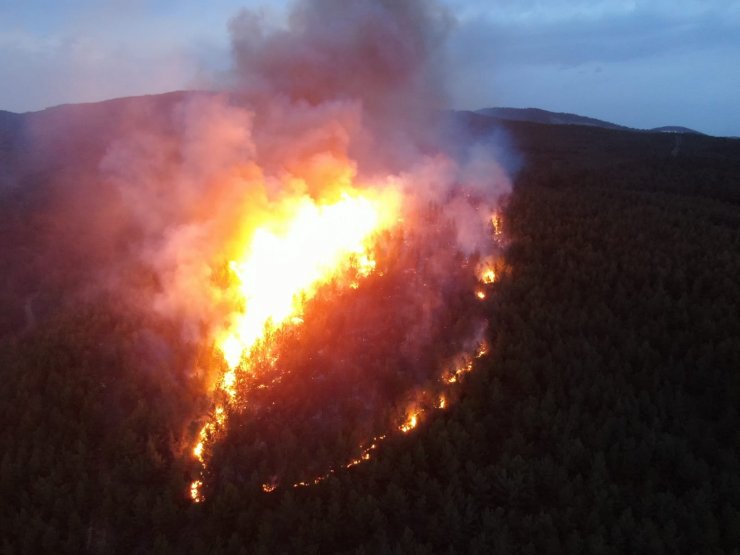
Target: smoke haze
[348, 96]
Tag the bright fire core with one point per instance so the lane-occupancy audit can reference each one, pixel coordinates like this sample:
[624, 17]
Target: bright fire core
[282, 265]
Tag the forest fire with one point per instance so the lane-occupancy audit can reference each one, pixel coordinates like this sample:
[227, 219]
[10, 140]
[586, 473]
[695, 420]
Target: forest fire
[301, 311]
[259, 368]
[195, 488]
[281, 267]
[325, 247]
[411, 422]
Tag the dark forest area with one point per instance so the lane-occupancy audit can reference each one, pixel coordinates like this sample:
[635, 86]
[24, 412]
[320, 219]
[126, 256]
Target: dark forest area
[603, 420]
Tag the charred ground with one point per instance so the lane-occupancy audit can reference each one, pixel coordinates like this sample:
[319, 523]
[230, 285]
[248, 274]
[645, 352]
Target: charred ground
[603, 420]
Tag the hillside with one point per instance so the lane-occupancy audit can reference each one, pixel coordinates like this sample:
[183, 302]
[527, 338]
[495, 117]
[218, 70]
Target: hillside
[674, 129]
[36, 143]
[604, 420]
[686, 163]
[536, 115]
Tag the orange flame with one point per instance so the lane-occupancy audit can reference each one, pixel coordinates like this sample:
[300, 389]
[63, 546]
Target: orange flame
[195, 493]
[489, 276]
[498, 225]
[482, 350]
[412, 420]
[287, 262]
[280, 266]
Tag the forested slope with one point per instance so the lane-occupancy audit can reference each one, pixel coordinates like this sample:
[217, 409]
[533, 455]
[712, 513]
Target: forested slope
[604, 419]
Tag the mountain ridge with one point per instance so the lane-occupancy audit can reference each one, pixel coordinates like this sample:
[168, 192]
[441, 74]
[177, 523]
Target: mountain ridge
[531, 115]
[538, 115]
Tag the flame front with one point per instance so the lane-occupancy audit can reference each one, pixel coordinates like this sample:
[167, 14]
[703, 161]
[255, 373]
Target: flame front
[281, 266]
[411, 421]
[284, 264]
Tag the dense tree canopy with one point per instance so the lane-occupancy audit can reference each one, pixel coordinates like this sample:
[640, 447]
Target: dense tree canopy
[604, 420]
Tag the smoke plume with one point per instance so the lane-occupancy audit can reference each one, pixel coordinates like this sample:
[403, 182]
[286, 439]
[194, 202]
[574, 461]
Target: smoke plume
[385, 59]
[347, 95]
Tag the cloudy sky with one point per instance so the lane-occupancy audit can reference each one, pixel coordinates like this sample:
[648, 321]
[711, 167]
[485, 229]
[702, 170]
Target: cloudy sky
[642, 63]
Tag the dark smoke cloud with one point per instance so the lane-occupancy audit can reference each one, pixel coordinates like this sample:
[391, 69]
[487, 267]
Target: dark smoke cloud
[383, 53]
[386, 56]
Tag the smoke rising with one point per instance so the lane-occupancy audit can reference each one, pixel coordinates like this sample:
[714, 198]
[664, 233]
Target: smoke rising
[385, 56]
[348, 95]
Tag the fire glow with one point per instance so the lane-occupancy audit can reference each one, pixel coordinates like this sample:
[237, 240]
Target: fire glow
[410, 423]
[333, 250]
[323, 243]
[342, 234]
[280, 268]
[310, 247]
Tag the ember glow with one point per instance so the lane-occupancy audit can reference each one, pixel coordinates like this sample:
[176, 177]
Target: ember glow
[283, 265]
[269, 487]
[411, 421]
[195, 488]
[464, 364]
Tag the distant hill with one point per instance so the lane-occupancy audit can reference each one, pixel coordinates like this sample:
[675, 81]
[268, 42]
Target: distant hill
[69, 141]
[34, 143]
[675, 129]
[536, 115]
[691, 163]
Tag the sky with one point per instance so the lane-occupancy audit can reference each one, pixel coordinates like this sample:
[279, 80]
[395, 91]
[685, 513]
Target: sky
[641, 63]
